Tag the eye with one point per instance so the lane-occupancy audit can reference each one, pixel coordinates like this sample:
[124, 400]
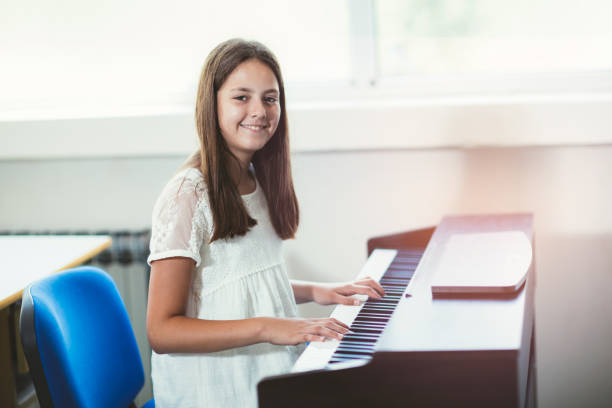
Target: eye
[271, 99]
[241, 98]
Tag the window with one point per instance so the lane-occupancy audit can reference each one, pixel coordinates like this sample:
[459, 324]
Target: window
[494, 44]
[493, 36]
[83, 56]
[77, 55]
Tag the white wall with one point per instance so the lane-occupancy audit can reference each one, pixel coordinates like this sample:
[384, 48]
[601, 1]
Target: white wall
[347, 197]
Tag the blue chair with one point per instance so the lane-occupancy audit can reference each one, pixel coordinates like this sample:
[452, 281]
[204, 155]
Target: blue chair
[79, 343]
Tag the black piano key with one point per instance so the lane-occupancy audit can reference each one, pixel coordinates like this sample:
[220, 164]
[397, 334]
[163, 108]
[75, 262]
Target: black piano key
[401, 279]
[378, 322]
[347, 352]
[400, 275]
[350, 343]
[374, 306]
[392, 283]
[397, 279]
[379, 315]
[363, 348]
[371, 319]
[379, 307]
[360, 330]
[393, 287]
[356, 335]
[354, 356]
[374, 313]
[369, 326]
[413, 252]
[350, 339]
[407, 268]
[383, 299]
[360, 337]
[362, 345]
[354, 352]
[396, 283]
[404, 259]
[364, 323]
[356, 347]
[382, 313]
[380, 303]
[392, 292]
[391, 298]
[404, 264]
[400, 269]
[376, 329]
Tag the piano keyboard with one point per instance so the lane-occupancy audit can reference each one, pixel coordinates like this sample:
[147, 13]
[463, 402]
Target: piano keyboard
[394, 270]
[375, 313]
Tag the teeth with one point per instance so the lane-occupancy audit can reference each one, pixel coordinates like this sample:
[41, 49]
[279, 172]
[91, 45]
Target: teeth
[253, 127]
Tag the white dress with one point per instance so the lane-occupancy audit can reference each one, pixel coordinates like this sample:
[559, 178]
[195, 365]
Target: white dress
[235, 278]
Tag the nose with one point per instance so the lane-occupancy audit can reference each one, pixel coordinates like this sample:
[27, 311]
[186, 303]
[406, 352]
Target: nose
[258, 109]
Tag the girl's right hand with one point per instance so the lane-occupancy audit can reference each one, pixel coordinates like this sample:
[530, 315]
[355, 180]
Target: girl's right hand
[286, 331]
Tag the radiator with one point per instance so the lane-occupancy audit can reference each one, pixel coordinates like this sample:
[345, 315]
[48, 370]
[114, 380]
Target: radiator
[126, 262]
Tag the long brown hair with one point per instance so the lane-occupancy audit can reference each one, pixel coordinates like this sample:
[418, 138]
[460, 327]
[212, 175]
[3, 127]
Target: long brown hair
[272, 163]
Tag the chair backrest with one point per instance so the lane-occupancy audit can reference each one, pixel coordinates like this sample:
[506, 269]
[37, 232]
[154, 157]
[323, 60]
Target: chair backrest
[79, 342]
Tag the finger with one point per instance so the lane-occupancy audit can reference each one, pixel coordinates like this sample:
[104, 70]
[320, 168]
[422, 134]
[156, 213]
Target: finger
[377, 287]
[364, 290]
[338, 322]
[373, 284]
[334, 324]
[346, 300]
[338, 328]
[313, 337]
[329, 333]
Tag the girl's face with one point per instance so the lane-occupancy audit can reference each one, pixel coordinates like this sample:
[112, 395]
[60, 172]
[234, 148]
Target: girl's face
[248, 108]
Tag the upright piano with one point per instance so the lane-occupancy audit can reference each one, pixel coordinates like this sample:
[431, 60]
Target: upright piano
[422, 347]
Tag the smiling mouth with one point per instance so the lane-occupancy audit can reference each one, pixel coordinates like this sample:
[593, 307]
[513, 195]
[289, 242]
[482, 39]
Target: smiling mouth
[255, 128]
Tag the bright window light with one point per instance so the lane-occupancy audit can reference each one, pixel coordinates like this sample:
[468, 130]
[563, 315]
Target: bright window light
[447, 37]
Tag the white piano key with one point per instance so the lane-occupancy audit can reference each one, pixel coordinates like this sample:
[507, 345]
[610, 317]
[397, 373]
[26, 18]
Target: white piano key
[317, 354]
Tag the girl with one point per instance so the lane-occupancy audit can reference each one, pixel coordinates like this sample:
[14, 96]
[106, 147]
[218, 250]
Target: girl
[221, 311]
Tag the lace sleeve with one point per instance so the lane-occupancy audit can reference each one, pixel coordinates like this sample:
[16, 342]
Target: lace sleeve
[177, 227]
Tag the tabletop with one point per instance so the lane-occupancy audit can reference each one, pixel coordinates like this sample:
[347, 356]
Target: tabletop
[27, 258]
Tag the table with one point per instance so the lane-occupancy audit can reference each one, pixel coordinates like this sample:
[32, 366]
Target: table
[23, 260]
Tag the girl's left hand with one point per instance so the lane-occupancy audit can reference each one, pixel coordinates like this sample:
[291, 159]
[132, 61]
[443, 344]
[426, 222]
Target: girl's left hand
[340, 293]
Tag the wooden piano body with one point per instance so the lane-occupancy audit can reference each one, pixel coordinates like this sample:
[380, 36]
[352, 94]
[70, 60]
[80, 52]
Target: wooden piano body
[474, 350]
